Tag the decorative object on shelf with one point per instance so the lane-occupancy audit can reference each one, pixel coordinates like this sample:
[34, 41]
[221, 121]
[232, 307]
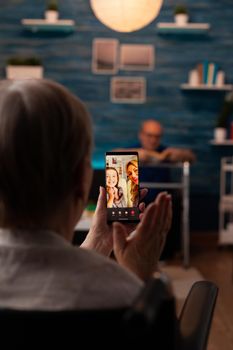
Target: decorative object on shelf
[24, 67]
[126, 15]
[51, 13]
[220, 132]
[193, 78]
[51, 22]
[207, 75]
[182, 25]
[181, 15]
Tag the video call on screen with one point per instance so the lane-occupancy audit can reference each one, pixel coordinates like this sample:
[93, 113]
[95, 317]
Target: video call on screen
[122, 187]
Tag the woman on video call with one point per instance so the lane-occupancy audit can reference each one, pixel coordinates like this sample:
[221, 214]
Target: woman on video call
[132, 183]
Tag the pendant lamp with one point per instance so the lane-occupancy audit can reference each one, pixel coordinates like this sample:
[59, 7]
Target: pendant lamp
[126, 15]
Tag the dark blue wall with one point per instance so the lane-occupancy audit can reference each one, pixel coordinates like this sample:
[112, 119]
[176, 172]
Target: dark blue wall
[188, 118]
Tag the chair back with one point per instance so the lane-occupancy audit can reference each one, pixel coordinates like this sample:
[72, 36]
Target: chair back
[149, 319]
[196, 316]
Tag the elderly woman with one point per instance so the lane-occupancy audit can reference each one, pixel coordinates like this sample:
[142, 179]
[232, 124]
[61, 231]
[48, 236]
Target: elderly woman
[45, 177]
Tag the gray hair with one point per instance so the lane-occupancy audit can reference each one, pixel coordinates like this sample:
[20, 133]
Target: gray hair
[45, 133]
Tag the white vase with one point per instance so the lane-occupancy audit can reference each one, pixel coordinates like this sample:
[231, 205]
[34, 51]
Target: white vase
[193, 78]
[220, 78]
[51, 16]
[220, 134]
[181, 19]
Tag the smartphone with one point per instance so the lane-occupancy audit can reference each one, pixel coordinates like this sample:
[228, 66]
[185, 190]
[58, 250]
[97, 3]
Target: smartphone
[122, 186]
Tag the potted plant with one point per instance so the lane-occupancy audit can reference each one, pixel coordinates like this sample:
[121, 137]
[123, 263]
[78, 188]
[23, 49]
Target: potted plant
[181, 15]
[51, 13]
[20, 67]
[220, 131]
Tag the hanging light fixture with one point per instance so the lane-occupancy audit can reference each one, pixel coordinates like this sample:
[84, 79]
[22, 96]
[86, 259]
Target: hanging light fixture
[126, 15]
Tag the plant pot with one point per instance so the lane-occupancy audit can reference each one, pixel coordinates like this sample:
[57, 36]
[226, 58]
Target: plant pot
[181, 19]
[220, 134]
[24, 72]
[51, 16]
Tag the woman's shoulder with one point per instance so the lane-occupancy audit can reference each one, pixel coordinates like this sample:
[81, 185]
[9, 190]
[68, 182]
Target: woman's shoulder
[95, 262]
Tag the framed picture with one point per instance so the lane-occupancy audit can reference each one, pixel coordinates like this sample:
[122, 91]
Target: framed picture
[137, 57]
[128, 89]
[104, 56]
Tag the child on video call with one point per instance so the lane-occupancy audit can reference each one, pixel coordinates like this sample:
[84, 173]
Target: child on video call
[115, 195]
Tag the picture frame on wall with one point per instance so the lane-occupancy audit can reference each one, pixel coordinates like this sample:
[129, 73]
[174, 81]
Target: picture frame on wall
[128, 90]
[104, 56]
[137, 57]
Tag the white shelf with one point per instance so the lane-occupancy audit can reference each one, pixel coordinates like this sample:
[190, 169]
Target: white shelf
[20, 72]
[226, 87]
[227, 198]
[225, 237]
[189, 28]
[226, 201]
[222, 143]
[35, 25]
[228, 167]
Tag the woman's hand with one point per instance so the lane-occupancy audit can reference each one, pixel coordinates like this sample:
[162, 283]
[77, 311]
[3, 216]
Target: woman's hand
[140, 252]
[99, 237]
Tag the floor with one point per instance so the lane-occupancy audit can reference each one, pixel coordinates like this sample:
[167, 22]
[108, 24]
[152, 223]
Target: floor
[216, 264]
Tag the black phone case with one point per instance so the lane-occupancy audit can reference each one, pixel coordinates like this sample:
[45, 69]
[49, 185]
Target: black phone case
[124, 219]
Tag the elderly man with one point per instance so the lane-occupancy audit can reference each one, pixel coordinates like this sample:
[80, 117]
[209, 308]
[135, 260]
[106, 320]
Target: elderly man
[150, 147]
[152, 151]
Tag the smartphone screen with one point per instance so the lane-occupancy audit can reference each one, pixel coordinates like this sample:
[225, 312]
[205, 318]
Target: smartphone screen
[122, 186]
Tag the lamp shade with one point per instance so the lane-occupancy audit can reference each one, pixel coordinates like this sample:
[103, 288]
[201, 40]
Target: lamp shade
[126, 15]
